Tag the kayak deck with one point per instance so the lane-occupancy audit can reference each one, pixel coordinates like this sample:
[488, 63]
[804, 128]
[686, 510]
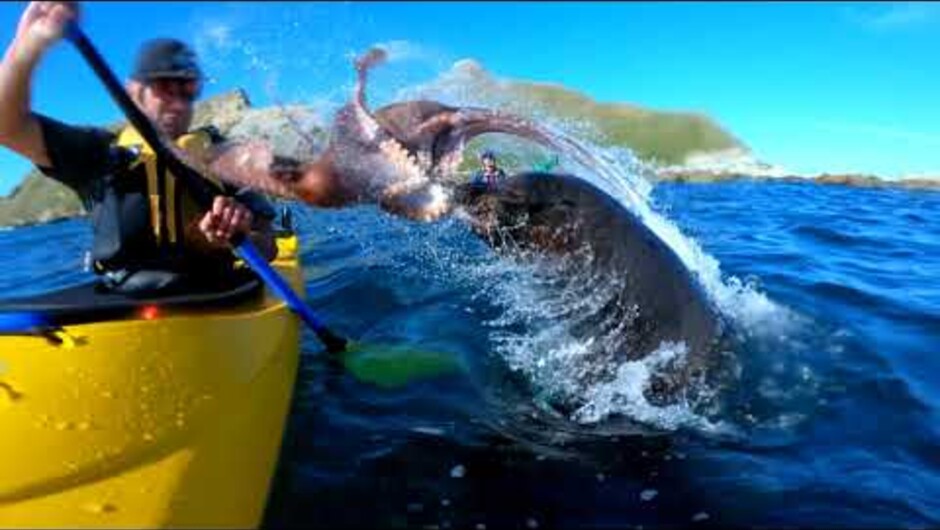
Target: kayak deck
[85, 303]
[172, 419]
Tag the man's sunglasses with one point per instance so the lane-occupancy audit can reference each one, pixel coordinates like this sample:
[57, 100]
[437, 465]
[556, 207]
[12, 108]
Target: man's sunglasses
[165, 88]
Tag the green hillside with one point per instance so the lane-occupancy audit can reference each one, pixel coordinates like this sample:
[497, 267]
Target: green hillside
[654, 136]
[664, 137]
[38, 199]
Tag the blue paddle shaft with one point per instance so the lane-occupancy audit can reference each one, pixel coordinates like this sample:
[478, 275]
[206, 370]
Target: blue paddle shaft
[248, 252]
[198, 187]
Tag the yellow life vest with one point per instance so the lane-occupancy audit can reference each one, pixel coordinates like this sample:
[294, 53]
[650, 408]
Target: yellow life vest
[168, 207]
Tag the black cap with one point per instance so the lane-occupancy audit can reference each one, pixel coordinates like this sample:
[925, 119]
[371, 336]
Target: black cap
[165, 58]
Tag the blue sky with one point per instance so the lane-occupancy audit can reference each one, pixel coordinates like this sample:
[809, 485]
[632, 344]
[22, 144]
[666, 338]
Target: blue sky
[810, 86]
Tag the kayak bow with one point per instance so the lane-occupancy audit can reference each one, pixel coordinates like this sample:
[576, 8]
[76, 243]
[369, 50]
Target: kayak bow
[168, 417]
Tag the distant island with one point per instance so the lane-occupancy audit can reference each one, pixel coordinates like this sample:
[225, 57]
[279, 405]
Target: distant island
[678, 147]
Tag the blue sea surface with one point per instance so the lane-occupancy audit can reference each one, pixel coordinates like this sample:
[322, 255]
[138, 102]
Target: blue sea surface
[830, 416]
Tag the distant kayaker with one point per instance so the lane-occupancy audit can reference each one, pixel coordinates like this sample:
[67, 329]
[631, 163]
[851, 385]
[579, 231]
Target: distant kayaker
[149, 235]
[489, 176]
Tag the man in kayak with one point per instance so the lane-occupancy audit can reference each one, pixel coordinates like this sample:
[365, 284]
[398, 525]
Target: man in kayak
[149, 235]
[489, 176]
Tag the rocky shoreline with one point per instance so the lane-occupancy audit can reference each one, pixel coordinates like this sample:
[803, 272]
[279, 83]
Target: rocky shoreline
[854, 180]
[740, 164]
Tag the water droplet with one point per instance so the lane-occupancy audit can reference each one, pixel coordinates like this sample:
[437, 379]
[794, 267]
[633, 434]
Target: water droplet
[8, 394]
[531, 523]
[480, 526]
[700, 516]
[148, 437]
[600, 477]
[99, 507]
[445, 502]
[64, 426]
[648, 495]
[84, 426]
[458, 471]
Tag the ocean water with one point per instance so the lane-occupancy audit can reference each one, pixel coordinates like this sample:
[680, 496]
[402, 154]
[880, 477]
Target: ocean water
[827, 417]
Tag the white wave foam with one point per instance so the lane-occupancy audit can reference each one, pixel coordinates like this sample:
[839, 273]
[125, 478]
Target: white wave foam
[625, 393]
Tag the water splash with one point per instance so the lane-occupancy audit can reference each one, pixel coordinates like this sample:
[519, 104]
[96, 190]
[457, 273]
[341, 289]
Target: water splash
[551, 328]
[541, 313]
[586, 153]
[625, 393]
[621, 175]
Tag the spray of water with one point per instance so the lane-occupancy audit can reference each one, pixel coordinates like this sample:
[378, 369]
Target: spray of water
[537, 330]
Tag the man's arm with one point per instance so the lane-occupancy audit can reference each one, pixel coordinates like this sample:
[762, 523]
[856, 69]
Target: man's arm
[76, 155]
[40, 26]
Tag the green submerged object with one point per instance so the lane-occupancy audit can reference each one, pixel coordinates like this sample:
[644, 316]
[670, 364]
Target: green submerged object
[395, 366]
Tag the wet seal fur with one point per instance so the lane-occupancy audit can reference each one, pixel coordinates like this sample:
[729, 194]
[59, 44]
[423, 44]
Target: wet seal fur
[654, 301]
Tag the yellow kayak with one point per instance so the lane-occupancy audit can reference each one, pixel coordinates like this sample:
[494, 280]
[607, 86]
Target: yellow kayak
[170, 415]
